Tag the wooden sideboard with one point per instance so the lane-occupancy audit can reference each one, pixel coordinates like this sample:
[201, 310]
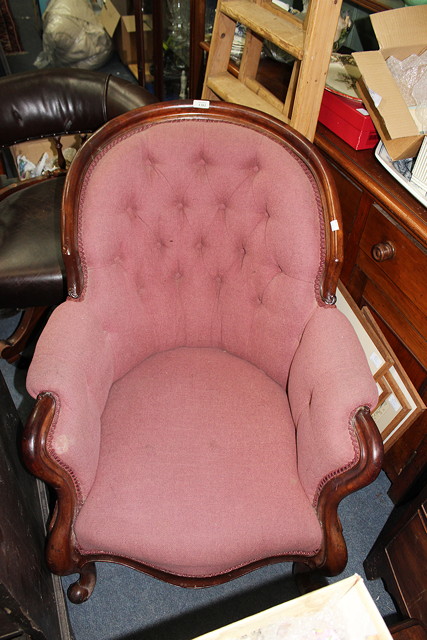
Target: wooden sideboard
[385, 268]
[399, 557]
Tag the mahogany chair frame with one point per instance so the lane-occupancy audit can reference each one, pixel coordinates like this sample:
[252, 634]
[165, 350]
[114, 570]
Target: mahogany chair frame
[63, 554]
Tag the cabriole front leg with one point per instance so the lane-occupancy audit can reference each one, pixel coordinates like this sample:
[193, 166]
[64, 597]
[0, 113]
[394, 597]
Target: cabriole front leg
[82, 589]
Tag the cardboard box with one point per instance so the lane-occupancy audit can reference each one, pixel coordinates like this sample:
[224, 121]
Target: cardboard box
[133, 68]
[344, 609]
[124, 7]
[400, 32]
[122, 29]
[349, 120]
[34, 150]
[125, 40]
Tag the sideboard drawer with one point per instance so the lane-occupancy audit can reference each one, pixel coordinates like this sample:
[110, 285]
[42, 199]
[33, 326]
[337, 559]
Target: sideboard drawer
[350, 197]
[396, 268]
[397, 256]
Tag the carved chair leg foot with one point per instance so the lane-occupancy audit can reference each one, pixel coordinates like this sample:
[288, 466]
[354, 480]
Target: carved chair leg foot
[81, 590]
[307, 579]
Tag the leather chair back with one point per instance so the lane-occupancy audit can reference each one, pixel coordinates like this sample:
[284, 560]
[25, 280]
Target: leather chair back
[62, 101]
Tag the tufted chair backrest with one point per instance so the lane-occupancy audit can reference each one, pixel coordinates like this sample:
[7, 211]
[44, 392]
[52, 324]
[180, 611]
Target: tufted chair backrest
[201, 232]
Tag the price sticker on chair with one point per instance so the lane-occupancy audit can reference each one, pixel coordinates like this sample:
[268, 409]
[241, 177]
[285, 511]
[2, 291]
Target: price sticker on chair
[201, 104]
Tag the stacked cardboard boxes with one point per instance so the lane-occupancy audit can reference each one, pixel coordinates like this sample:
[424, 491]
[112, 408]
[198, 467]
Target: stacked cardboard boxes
[400, 33]
[118, 20]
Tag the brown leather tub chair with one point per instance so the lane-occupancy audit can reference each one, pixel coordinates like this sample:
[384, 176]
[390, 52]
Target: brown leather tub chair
[33, 105]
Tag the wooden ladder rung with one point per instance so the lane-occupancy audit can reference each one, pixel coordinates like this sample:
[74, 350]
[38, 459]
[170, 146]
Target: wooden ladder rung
[230, 89]
[284, 30]
[310, 43]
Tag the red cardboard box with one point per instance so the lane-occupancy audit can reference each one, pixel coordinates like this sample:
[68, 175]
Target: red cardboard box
[349, 120]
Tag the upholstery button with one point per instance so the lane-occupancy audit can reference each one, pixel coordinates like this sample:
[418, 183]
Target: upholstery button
[178, 275]
[164, 244]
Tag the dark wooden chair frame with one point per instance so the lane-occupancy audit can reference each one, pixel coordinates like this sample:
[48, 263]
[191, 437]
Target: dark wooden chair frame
[63, 555]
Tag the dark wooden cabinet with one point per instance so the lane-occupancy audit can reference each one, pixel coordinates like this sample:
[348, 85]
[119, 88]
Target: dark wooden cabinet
[409, 630]
[399, 557]
[385, 267]
[31, 598]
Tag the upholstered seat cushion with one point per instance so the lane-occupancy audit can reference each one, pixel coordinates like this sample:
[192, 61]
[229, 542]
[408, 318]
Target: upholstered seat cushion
[197, 469]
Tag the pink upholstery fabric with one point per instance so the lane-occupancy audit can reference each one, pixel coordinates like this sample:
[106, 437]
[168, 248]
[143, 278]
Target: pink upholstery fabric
[203, 477]
[74, 362]
[219, 229]
[202, 247]
[329, 379]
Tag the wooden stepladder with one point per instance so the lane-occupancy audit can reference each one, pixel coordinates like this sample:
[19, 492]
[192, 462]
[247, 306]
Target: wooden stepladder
[309, 41]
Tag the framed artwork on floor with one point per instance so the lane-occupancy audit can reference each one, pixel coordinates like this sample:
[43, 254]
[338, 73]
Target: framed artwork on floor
[399, 403]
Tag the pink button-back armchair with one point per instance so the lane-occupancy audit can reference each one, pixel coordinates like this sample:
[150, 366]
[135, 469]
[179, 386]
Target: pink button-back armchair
[202, 405]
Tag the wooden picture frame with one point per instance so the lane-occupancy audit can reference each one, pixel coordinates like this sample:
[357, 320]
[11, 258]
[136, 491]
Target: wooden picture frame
[399, 403]
[379, 358]
[384, 390]
[404, 393]
[392, 408]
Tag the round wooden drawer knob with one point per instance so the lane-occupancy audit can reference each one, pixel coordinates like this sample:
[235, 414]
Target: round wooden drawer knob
[383, 251]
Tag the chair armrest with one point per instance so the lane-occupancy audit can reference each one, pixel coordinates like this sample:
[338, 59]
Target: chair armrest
[329, 381]
[74, 362]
